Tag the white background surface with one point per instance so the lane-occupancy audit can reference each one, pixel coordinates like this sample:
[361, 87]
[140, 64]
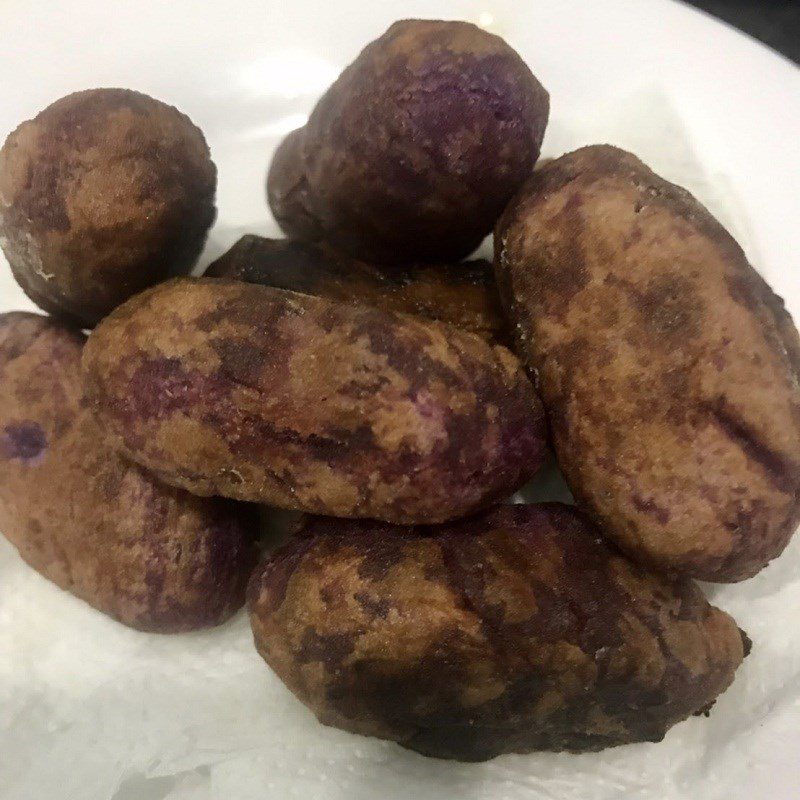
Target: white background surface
[90, 710]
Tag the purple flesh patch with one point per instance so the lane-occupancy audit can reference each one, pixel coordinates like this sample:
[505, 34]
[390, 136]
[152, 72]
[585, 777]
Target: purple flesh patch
[24, 441]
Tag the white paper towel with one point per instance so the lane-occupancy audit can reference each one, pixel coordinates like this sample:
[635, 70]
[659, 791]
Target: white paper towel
[90, 710]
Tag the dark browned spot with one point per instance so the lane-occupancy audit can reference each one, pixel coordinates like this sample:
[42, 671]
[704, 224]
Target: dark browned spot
[330, 649]
[650, 507]
[276, 572]
[781, 471]
[672, 306]
[155, 509]
[742, 290]
[381, 556]
[41, 206]
[747, 643]
[373, 604]
[560, 265]
[259, 314]
[242, 360]
[406, 356]
[634, 237]
[365, 386]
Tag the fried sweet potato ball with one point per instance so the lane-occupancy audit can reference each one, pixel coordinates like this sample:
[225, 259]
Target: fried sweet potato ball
[103, 194]
[414, 151]
[519, 629]
[668, 367]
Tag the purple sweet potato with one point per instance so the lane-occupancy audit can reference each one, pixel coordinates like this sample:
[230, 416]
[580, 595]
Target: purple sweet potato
[519, 629]
[464, 295]
[668, 368]
[259, 394]
[154, 557]
[414, 151]
[102, 194]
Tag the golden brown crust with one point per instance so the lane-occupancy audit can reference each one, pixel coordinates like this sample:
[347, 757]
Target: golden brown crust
[153, 557]
[668, 368]
[259, 394]
[516, 630]
[463, 295]
[104, 193]
[413, 152]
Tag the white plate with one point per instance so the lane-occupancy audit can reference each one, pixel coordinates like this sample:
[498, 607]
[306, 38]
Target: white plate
[90, 710]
